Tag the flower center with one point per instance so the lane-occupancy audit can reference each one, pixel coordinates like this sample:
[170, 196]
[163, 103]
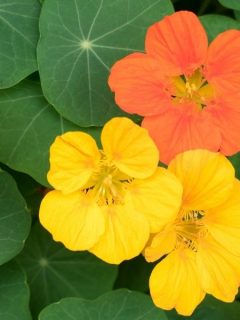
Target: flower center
[192, 89]
[190, 228]
[107, 184]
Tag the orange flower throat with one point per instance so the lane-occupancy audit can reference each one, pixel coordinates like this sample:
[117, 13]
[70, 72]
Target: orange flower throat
[194, 88]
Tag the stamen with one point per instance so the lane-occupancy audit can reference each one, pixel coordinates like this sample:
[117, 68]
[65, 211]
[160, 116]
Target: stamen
[190, 228]
[108, 184]
[193, 88]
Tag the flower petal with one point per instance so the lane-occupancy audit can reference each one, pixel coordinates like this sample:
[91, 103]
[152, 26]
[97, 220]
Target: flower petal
[125, 236]
[217, 270]
[207, 178]
[73, 157]
[138, 83]
[73, 219]
[178, 130]
[179, 42]
[226, 117]
[174, 283]
[158, 197]
[130, 148]
[223, 222]
[223, 63]
[160, 244]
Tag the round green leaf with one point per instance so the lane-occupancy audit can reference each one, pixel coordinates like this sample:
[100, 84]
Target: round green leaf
[118, 305]
[231, 4]
[19, 36]
[15, 218]
[80, 41]
[14, 293]
[55, 272]
[215, 24]
[28, 126]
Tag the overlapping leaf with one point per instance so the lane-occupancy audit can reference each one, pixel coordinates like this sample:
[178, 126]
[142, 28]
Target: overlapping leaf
[28, 126]
[19, 36]
[14, 293]
[232, 4]
[14, 217]
[54, 272]
[80, 40]
[117, 305]
[215, 24]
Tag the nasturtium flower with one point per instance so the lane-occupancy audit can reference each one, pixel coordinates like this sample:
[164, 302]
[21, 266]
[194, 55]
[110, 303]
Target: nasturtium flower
[200, 246]
[187, 92]
[108, 200]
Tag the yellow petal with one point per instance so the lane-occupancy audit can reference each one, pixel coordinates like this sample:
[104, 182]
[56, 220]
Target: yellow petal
[72, 219]
[223, 222]
[130, 148]
[125, 235]
[158, 197]
[219, 270]
[174, 283]
[73, 157]
[160, 244]
[207, 178]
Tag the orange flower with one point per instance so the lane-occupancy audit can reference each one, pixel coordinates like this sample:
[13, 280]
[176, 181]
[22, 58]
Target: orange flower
[187, 92]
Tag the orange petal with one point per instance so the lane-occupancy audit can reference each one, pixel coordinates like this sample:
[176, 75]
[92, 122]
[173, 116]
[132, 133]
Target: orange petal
[179, 42]
[178, 130]
[223, 62]
[226, 116]
[138, 83]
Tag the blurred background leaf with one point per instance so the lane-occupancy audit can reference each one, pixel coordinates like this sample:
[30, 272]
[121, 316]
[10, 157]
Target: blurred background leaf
[15, 218]
[55, 272]
[14, 293]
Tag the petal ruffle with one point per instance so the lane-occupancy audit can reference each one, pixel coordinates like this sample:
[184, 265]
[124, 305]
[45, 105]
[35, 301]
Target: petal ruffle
[73, 158]
[174, 282]
[139, 85]
[207, 178]
[226, 117]
[181, 129]
[160, 244]
[179, 43]
[159, 198]
[130, 148]
[72, 219]
[218, 270]
[223, 63]
[223, 222]
[125, 236]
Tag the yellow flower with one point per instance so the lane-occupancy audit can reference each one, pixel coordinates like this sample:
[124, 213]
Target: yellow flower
[108, 201]
[202, 244]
